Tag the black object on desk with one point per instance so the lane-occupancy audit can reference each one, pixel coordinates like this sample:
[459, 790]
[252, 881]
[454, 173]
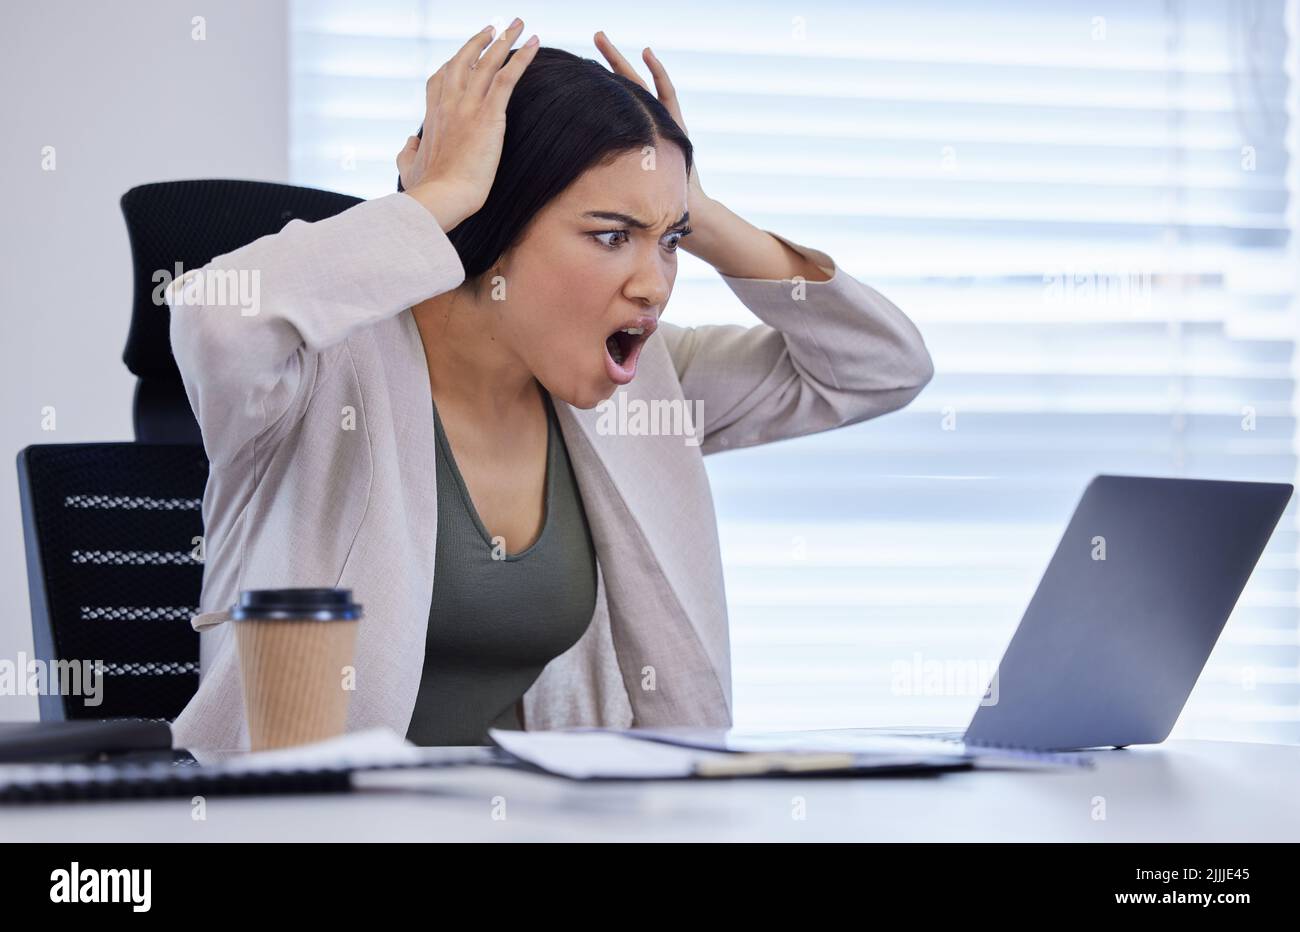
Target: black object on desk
[83, 740]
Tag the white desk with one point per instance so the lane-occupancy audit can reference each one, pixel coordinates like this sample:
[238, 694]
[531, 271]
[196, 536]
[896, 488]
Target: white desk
[1178, 791]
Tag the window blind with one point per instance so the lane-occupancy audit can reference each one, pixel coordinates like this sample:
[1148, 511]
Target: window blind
[1088, 209]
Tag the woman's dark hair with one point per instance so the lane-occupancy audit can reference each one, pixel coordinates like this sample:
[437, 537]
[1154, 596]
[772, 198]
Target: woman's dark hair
[565, 115]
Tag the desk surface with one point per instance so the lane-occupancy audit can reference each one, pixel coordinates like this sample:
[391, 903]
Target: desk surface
[1177, 791]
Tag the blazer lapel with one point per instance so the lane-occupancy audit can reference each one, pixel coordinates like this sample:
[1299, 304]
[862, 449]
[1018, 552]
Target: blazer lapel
[390, 660]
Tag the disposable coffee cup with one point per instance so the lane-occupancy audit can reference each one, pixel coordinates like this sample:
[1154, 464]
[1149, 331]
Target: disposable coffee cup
[296, 647]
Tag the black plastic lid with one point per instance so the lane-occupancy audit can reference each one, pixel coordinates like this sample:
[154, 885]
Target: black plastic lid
[316, 604]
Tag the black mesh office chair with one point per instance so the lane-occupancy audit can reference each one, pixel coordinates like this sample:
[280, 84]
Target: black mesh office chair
[112, 529]
[190, 222]
[113, 535]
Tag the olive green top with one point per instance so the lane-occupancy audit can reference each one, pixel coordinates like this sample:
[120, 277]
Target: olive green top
[495, 623]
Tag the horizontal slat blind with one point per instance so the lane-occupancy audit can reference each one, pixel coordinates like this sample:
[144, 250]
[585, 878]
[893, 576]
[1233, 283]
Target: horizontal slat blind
[1088, 208]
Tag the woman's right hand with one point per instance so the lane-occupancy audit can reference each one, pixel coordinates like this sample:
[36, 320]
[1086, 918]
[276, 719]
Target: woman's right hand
[451, 166]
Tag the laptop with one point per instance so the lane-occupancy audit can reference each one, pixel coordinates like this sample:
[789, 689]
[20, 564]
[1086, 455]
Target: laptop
[1125, 616]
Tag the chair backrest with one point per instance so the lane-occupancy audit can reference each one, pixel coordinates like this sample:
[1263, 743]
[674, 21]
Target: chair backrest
[114, 567]
[187, 224]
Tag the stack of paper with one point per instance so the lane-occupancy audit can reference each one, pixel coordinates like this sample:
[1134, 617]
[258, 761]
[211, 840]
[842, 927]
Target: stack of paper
[860, 741]
[614, 754]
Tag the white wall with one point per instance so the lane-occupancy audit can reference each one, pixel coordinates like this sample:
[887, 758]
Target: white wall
[126, 96]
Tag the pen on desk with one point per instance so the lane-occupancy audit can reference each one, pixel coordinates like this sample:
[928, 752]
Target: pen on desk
[744, 764]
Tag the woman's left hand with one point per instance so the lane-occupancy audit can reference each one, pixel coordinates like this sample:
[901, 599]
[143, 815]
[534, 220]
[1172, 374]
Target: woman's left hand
[729, 243]
[667, 96]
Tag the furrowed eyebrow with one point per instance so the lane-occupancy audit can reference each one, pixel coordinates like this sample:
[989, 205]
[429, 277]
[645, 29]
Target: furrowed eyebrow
[630, 220]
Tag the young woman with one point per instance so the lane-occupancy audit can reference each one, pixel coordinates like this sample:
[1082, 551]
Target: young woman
[415, 409]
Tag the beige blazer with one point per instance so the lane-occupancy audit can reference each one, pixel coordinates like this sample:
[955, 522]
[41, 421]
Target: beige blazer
[316, 413]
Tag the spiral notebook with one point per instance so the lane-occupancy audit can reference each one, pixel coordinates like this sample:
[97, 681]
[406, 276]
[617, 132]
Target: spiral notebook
[324, 767]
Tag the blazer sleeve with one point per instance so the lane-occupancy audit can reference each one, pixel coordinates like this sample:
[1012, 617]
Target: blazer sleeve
[827, 354]
[248, 365]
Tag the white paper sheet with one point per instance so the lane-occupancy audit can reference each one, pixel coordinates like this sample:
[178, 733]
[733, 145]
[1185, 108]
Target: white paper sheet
[585, 753]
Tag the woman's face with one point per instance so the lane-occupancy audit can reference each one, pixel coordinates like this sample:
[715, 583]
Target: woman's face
[581, 274]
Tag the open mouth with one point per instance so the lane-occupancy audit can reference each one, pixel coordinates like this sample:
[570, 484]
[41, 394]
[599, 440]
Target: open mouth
[623, 346]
